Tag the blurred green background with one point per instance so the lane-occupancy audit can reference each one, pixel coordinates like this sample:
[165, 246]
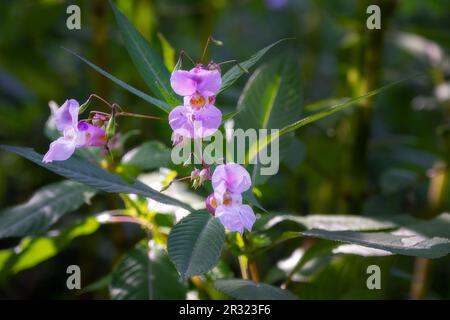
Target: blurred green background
[387, 157]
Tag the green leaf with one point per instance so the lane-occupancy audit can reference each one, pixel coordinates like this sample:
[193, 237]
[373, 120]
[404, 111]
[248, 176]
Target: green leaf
[156, 102]
[145, 273]
[271, 99]
[100, 284]
[236, 72]
[272, 96]
[32, 251]
[149, 155]
[195, 244]
[329, 222]
[82, 171]
[263, 143]
[147, 61]
[168, 52]
[229, 116]
[428, 239]
[45, 207]
[249, 290]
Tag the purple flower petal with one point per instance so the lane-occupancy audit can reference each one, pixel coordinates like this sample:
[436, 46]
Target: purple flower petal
[236, 217]
[92, 136]
[60, 150]
[183, 83]
[66, 117]
[230, 218]
[190, 123]
[247, 216]
[231, 177]
[186, 83]
[209, 82]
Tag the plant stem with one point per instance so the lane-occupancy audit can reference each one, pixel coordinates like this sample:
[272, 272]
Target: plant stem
[368, 79]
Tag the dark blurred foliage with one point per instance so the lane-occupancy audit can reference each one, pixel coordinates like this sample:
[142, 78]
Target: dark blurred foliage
[404, 142]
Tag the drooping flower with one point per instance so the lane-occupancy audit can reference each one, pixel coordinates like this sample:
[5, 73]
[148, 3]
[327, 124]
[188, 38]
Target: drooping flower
[232, 213]
[75, 134]
[229, 181]
[197, 117]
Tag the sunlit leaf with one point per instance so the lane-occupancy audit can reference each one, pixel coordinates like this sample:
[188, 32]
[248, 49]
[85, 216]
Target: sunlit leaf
[195, 244]
[263, 143]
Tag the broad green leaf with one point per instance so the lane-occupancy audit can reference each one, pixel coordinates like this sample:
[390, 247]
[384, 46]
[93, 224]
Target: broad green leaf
[272, 96]
[45, 207]
[411, 245]
[156, 102]
[329, 222]
[428, 239]
[236, 72]
[147, 61]
[271, 99]
[195, 244]
[32, 251]
[149, 155]
[82, 171]
[146, 274]
[249, 290]
[263, 143]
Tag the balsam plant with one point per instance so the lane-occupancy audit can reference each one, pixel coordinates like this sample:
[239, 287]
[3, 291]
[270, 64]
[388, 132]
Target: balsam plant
[184, 250]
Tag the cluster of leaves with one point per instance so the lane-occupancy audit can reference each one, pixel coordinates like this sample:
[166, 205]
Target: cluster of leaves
[192, 248]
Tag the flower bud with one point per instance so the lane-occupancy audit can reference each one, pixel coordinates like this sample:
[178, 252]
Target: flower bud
[111, 127]
[211, 204]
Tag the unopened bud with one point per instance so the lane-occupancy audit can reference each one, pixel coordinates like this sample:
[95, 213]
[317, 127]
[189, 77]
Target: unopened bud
[111, 127]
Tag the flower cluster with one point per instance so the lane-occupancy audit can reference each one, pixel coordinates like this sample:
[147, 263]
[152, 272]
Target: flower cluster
[75, 134]
[197, 117]
[229, 181]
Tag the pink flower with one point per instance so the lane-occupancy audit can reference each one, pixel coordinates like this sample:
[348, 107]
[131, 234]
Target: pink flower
[74, 134]
[230, 177]
[198, 117]
[229, 181]
[233, 215]
[198, 80]
[190, 123]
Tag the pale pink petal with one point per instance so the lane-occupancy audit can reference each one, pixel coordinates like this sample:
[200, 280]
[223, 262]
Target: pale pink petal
[232, 177]
[247, 216]
[209, 82]
[60, 150]
[93, 136]
[230, 218]
[66, 117]
[183, 83]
